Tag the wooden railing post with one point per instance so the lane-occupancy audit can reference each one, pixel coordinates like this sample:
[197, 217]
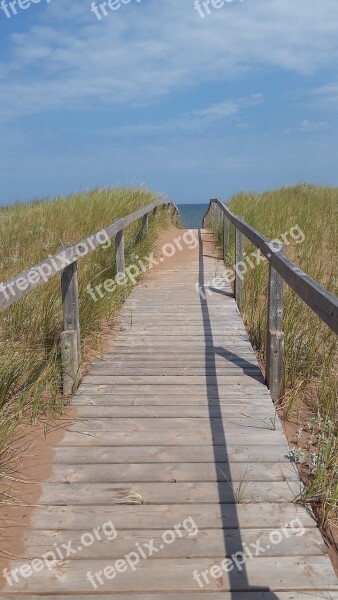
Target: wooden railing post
[226, 234]
[220, 217]
[239, 247]
[70, 337]
[216, 216]
[275, 336]
[119, 250]
[212, 211]
[155, 212]
[145, 225]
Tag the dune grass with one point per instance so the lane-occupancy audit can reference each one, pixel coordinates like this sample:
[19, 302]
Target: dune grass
[30, 374]
[310, 366]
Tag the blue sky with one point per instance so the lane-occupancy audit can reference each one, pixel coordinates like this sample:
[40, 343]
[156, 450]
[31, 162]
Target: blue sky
[244, 98]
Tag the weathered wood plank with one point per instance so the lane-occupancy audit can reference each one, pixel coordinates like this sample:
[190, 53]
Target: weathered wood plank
[243, 404]
[305, 573]
[198, 352]
[247, 595]
[233, 425]
[205, 543]
[165, 360]
[178, 371]
[164, 516]
[259, 411]
[167, 493]
[184, 380]
[114, 455]
[232, 390]
[183, 438]
[171, 473]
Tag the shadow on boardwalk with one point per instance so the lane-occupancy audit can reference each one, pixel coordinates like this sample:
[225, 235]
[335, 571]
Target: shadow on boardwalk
[238, 580]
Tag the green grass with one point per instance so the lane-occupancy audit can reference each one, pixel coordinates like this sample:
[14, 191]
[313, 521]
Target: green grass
[30, 375]
[310, 366]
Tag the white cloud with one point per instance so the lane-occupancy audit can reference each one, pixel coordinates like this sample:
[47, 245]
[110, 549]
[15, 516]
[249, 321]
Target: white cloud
[313, 126]
[195, 121]
[327, 95]
[68, 59]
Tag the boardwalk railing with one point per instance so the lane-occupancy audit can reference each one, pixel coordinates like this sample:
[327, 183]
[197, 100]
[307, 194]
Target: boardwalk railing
[322, 302]
[65, 262]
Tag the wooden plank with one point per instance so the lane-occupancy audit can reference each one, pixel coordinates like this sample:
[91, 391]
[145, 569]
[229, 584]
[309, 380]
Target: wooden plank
[206, 355]
[244, 404]
[164, 454]
[247, 595]
[164, 516]
[199, 352]
[232, 425]
[263, 411]
[206, 362]
[190, 331]
[184, 380]
[80, 494]
[109, 370]
[191, 316]
[304, 573]
[174, 473]
[214, 392]
[206, 543]
[229, 341]
[181, 438]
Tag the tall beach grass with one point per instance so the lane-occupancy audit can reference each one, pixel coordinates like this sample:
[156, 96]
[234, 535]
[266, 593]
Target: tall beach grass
[30, 374]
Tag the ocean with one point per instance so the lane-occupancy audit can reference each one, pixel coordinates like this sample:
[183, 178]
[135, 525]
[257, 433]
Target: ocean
[192, 215]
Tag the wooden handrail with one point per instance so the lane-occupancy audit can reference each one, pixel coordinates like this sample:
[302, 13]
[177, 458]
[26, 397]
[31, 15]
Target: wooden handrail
[320, 300]
[66, 256]
[65, 262]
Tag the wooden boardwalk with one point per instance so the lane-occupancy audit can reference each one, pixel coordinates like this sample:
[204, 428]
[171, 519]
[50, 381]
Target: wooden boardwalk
[173, 435]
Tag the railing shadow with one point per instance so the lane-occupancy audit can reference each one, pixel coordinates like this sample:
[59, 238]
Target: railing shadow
[238, 580]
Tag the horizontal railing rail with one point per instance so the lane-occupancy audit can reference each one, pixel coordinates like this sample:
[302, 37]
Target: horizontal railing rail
[281, 269]
[65, 263]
